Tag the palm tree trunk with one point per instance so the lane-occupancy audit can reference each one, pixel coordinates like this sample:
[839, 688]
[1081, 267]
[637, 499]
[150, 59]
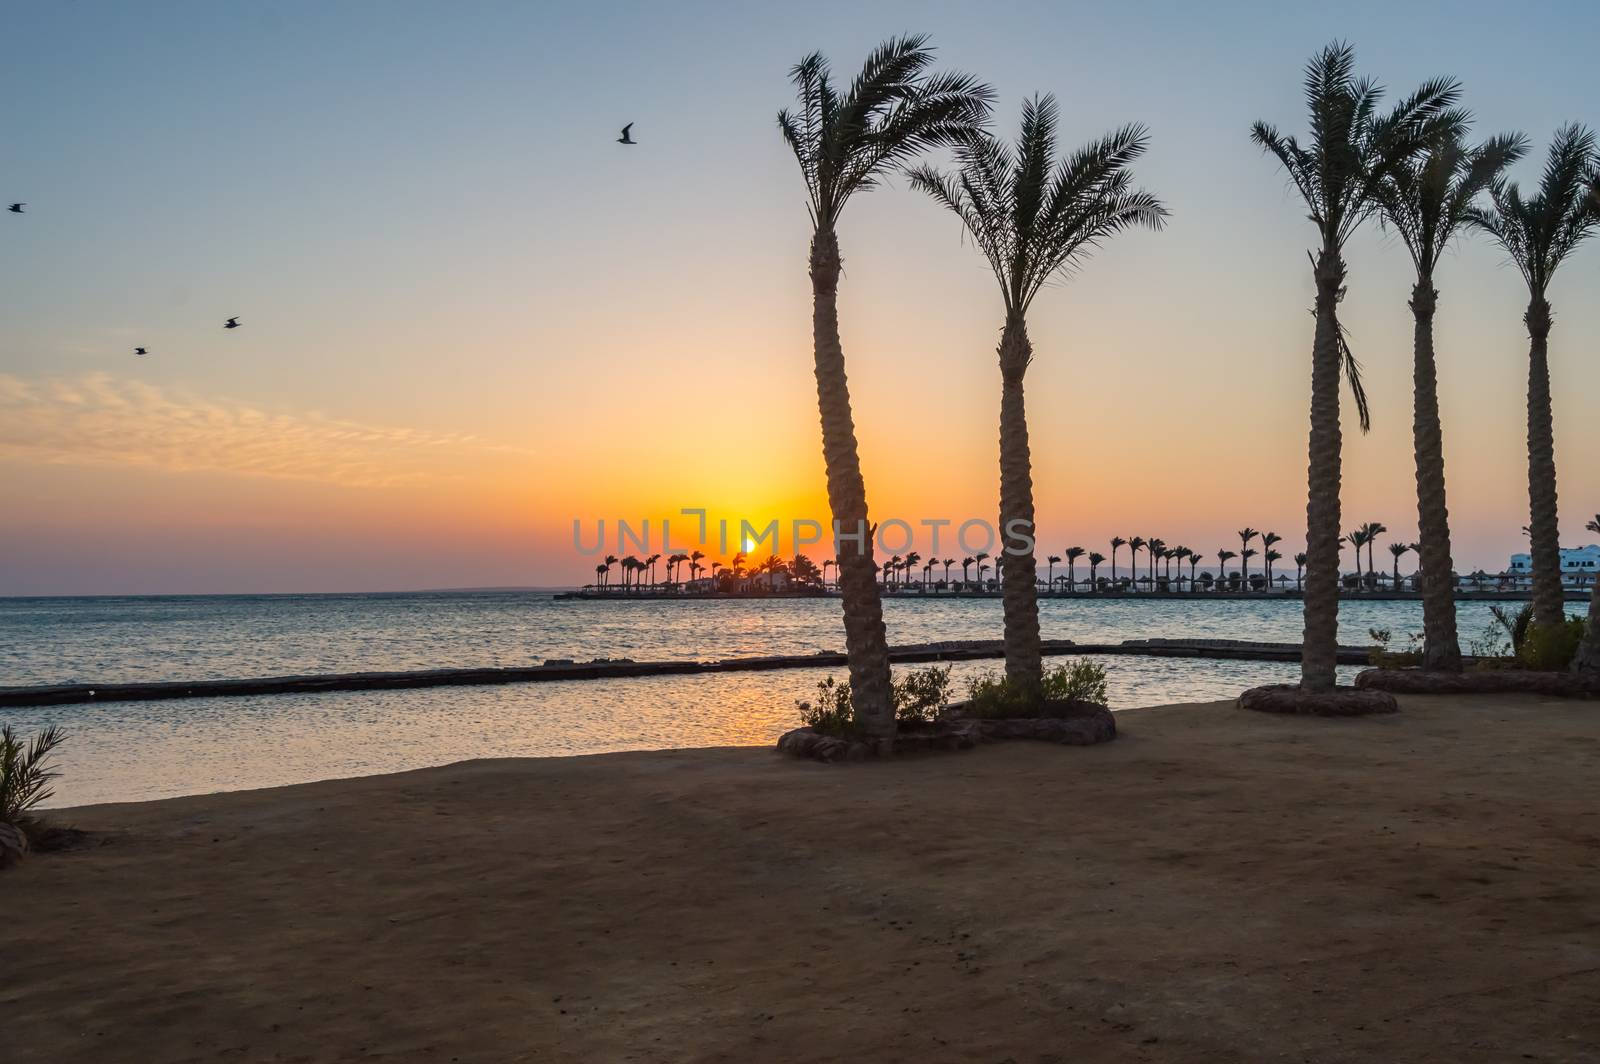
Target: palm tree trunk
[1441, 650]
[1546, 548]
[1020, 598]
[866, 643]
[1320, 652]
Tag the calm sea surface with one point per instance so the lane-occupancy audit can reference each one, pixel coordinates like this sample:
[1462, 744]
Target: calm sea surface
[137, 750]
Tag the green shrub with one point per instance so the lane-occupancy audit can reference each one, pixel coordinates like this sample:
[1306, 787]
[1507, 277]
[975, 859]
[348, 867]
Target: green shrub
[996, 696]
[1551, 647]
[831, 713]
[1081, 680]
[920, 694]
[25, 775]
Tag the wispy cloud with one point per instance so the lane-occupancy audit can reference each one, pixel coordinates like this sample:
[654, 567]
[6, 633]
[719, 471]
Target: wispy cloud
[98, 419]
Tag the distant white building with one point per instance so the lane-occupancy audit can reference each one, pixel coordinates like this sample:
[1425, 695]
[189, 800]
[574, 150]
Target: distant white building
[1579, 565]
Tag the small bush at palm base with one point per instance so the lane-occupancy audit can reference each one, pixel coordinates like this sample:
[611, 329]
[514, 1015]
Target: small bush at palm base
[919, 695]
[1551, 647]
[25, 775]
[995, 696]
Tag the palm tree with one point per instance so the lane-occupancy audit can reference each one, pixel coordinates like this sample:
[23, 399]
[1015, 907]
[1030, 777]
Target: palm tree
[1135, 545]
[910, 564]
[981, 558]
[1588, 657]
[1156, 548]
[1299, 569]
[1034, 217]
[845, 142]
[1073, 554]
[611, 559]
[965, 563]
[1357, 540]
[1429, 201]
[1269, 557]
[1351, 152]
[1244, 565]
[1245, 536]
[1116, 541]
[1538, 234]
[1268, 541]
[948, 562]
[1095, 558]
[1195, 558]
[1223, 557]
[600, 575]
[1373, 530]
[694, 563]
[1398, 549]
[1050, 570]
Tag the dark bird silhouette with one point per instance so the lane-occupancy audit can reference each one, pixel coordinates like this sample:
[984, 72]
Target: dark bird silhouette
[16, 208]
[233, 323]
[140, 351]
[626, 138]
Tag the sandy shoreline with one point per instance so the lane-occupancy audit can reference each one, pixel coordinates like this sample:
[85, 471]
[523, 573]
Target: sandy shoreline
[1216, 885]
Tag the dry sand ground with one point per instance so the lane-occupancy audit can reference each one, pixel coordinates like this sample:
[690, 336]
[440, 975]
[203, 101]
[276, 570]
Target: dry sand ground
[1216, 886]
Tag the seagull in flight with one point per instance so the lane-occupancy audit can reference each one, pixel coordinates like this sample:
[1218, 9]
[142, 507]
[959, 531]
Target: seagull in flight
[233, 323]
[16, 208]
[140, 351]
[626, 138]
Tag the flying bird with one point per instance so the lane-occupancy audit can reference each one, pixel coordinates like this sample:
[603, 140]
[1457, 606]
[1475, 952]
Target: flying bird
[140, 351]
[626, 138]
[233, 323]
[16, 208]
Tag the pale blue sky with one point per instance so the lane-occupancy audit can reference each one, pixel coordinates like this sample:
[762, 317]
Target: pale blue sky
[419, 212]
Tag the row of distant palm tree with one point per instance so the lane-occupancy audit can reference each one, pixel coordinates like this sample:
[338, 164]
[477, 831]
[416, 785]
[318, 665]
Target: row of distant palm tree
[738, 574]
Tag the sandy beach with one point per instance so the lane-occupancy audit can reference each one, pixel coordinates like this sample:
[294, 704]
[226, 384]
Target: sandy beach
[1214, 886]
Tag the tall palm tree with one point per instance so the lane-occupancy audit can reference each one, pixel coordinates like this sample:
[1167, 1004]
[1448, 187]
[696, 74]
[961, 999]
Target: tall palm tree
[948, 562]
[1116, 541]
[1223, 557]
[1588, 656]
[1157, 548]
[1350, 153]
[1034, 217]
[1399, 549]
[1269, 557]
[1244, 564]
[910, 564]
[1195, 558]
[1429, 200]
[1246, 534]
[611, 559]
[1135, 545]
[1539, 234]
[1357, 539]
[1268, 541]
[600, 575]
[1299, 569]
[1050, 570]
[982, 558]
[1073, 554]
[965, 579]
[845, 141]
[694, 563]
[1095, 558]
[1373, 530]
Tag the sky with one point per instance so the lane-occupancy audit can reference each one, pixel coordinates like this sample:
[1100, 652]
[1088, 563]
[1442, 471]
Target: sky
[471, 318]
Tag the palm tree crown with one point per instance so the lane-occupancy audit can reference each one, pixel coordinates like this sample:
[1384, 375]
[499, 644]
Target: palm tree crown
[1033, 215]
[1540, 232]
[1429, 198]
[1352, 152]
[891, 112]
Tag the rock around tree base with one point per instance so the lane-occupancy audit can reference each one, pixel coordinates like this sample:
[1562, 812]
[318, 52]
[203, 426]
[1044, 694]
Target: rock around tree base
[1340, 702]
[1481, 681]
[1064, 721]
[910, 739]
